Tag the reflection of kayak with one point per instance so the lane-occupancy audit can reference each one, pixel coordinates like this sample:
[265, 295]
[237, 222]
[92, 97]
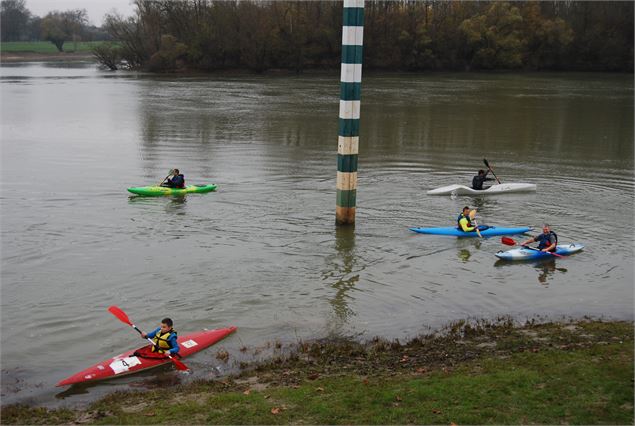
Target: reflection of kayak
[492, 231]
[522, 253]
[494, 189]
[156, 191]
[128, 363]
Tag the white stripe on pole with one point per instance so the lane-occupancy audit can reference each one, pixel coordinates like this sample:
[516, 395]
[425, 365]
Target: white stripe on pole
[353, 3]
[349, 109]
[348, 145]
[351, 73]
[353, 36]
[346, 181]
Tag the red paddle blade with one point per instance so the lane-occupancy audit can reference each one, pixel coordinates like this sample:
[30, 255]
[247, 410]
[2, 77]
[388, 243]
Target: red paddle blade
[508, 241]
[121, 315]
[178, 364]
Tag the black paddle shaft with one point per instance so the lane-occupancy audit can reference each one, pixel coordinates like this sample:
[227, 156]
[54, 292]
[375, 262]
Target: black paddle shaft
[490, 169]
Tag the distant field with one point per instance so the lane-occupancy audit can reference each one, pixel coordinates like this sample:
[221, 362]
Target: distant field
[46, 46]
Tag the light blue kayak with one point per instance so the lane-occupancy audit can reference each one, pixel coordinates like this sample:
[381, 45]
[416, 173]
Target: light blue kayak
[491, 231]
[525, 253]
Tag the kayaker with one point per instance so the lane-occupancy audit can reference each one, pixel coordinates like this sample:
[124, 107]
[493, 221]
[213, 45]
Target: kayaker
[477, 181]
[164, 338]
[464, 222]
[547, 241]
[177, 180]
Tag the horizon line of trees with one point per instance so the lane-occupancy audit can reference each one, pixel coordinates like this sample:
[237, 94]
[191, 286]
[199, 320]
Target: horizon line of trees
[17, 23]
[403, 35]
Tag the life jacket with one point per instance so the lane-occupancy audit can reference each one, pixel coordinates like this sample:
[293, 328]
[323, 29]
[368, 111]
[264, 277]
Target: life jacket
[458, 221]
[544, 241]
[161, 341]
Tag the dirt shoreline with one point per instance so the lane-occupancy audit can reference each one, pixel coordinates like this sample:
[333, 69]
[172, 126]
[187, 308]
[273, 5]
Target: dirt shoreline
[459, 353]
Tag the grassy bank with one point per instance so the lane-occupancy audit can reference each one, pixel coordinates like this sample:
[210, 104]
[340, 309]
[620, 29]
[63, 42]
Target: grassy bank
[46, 46]
[579, 373]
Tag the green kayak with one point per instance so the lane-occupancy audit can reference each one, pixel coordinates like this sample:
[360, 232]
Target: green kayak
[157, 191]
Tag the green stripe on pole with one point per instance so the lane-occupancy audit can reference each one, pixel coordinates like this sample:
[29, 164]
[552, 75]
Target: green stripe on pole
[353, 17]
[350, 91]
[352, 54]
[347, 163]
[346, 198]
[349, 127]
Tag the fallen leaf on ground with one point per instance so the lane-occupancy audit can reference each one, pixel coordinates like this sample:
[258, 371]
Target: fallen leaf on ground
[247, 392]
[320, 389]
[275, 410]
[435, 411]
[313, 376]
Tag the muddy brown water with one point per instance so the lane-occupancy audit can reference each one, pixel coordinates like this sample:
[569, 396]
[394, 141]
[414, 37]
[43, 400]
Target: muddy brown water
[263, 253]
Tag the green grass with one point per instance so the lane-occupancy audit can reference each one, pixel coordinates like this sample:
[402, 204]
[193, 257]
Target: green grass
[583, 386]
[46, 47]
[576, 373]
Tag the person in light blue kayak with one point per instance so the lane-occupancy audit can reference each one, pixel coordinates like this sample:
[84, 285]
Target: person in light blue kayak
[547, 241]
[164, 338]
[174, 180]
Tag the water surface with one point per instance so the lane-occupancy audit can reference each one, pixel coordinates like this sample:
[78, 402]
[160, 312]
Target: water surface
[263, 252]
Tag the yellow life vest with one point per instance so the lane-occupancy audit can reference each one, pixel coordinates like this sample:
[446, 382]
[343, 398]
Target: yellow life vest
[161, 341]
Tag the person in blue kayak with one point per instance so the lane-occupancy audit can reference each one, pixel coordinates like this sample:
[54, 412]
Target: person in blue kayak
[464, 221]
[164, 338]
[477, 181]
[174, 180]
[547, 241]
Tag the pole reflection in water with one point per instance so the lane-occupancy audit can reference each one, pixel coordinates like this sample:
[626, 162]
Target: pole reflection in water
[342, 268]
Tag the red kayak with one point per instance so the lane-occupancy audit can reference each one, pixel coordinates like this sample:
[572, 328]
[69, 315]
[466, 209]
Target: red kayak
[129, 362]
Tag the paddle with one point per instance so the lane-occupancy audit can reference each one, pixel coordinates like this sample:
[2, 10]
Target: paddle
[511, 242]
[121, 315]
[472, 218]
[490, 169]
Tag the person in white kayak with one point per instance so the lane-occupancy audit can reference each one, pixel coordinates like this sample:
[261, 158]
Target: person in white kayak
[477, 181]
[547, 241]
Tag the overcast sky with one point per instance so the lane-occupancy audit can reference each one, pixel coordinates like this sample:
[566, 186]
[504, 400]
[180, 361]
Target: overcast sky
[96, 8]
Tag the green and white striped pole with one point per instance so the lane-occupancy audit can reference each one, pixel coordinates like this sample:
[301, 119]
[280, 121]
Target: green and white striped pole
[350, 95]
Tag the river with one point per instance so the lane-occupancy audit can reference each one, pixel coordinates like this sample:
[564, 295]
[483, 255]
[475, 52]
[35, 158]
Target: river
[263, 253]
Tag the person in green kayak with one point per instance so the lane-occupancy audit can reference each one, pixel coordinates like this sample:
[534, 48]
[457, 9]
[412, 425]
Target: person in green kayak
[174, 180]
[477, 181]
[547, 241]
[164, 338]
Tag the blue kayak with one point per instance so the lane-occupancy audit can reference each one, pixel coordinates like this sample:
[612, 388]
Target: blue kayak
[486, 231]
[527, 253]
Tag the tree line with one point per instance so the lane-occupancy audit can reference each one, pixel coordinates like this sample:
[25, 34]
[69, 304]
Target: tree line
[17, 23]
[405, 35]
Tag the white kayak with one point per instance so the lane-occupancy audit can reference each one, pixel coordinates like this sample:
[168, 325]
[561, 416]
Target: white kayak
[529, 253]
[502, 188]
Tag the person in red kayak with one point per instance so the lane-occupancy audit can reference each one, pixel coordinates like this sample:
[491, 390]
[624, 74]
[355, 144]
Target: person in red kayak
[164, 338]
[174, 180]
[547, 241]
